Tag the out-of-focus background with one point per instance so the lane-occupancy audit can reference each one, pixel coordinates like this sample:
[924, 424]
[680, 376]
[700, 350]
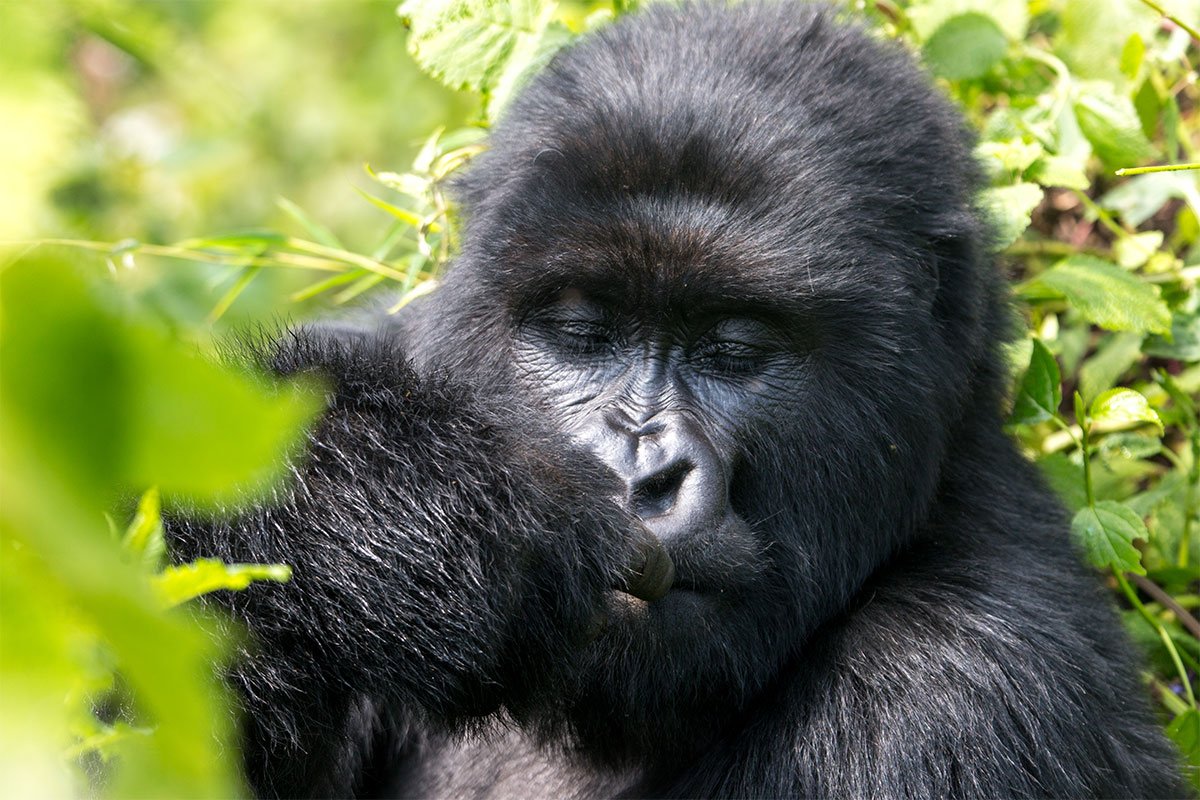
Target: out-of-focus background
[173, 170]
[164, 120]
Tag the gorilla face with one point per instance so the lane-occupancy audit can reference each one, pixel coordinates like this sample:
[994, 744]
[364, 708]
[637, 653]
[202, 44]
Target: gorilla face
[736, 306]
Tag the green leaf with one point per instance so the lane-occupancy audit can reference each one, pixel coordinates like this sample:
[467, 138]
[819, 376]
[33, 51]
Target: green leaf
[1041, 389]
[1104, 294]
[178, 584]
[1120, 408]
[1093, 35]
[1106, 532]
[965, 46]
[1111, 124]
[1058, 171]
[1140, 197]
[485, 46]
[1131, 446]
[1010, 209]
[1132, 55]
[1010, 16]
[1184, 343]
[1013, 155]
[144, 537]
[1184, 731]
[1135, 250]
[1114, 356]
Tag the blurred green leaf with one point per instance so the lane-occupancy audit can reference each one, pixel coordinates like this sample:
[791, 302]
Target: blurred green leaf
[1183, 343]
[1133, 251]
[144, 536]
[965, 46]
[1106, 533]
[1105, 294]
[177, 584]
[1113, 357]
[1111, 124]
[1009, 208]
[1093, 33]
[1010, 16]
[1184, 731]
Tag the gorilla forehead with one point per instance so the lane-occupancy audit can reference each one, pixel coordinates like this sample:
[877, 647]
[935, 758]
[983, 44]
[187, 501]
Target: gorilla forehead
[808, 146]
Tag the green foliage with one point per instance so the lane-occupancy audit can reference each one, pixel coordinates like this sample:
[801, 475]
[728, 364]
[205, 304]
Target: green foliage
[144, 137]
[97, 402]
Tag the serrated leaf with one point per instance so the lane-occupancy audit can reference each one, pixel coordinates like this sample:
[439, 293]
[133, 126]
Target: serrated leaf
[1105, 294]
[1010, 209]
[1121, 408]
[1040, 393]
[1111, 124]
[476, 45]
[178, 584]
[965, 46]
[1106, 532]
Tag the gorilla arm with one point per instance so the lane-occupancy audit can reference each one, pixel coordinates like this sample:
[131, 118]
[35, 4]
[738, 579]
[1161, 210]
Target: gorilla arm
[445, 556]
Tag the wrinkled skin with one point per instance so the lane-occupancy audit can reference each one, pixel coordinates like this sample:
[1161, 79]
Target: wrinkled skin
[689, 480]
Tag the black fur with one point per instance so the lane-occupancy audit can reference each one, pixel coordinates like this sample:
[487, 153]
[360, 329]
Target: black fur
[897, 611]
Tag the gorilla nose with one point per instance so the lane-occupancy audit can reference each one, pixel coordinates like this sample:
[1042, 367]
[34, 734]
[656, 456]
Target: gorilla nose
[656, 494]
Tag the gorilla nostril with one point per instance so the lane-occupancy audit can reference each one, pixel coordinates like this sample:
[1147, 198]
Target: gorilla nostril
[655, 495]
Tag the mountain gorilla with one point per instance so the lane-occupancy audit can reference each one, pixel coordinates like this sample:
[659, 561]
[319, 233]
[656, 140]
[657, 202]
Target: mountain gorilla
[689, 480]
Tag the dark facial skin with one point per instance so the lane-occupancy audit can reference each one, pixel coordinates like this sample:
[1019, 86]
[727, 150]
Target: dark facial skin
[662, 396]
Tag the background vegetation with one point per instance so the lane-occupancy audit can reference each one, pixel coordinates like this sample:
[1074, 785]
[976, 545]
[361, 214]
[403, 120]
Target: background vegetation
[173, 170]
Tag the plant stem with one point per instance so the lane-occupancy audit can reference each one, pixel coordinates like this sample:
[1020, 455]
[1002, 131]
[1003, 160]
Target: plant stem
[1131, 595]
[1160, 168]
[1194, 33]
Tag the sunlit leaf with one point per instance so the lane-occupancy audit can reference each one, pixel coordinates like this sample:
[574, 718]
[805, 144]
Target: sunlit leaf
[178, 584]
[1121, 408]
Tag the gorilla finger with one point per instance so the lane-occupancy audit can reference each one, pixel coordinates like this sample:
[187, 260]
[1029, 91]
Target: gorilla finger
[652, 572]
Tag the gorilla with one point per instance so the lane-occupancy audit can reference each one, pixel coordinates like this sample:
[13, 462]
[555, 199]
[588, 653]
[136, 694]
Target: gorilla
[689, 480]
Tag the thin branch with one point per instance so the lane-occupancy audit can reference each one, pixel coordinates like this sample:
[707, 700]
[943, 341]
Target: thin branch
[1154, 590]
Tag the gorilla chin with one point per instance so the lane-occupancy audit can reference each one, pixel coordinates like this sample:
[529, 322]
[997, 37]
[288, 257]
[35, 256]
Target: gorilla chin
[690, 479]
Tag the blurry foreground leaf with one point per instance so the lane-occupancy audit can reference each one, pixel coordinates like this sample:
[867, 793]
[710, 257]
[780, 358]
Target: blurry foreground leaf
[178, 584]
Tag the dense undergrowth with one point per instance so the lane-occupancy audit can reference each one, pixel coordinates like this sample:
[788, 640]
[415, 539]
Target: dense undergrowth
[109, 405]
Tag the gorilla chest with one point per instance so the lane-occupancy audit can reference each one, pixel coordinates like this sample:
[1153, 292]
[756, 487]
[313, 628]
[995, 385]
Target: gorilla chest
[504, 765]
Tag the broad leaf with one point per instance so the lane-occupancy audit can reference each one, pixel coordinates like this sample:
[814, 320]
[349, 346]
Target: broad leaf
[1106, 532]
[1111, 124]
[1104, 294]
[1041, 389]
[965, 46]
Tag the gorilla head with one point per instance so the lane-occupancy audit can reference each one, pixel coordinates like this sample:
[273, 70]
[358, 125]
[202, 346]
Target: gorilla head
[745, 273]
